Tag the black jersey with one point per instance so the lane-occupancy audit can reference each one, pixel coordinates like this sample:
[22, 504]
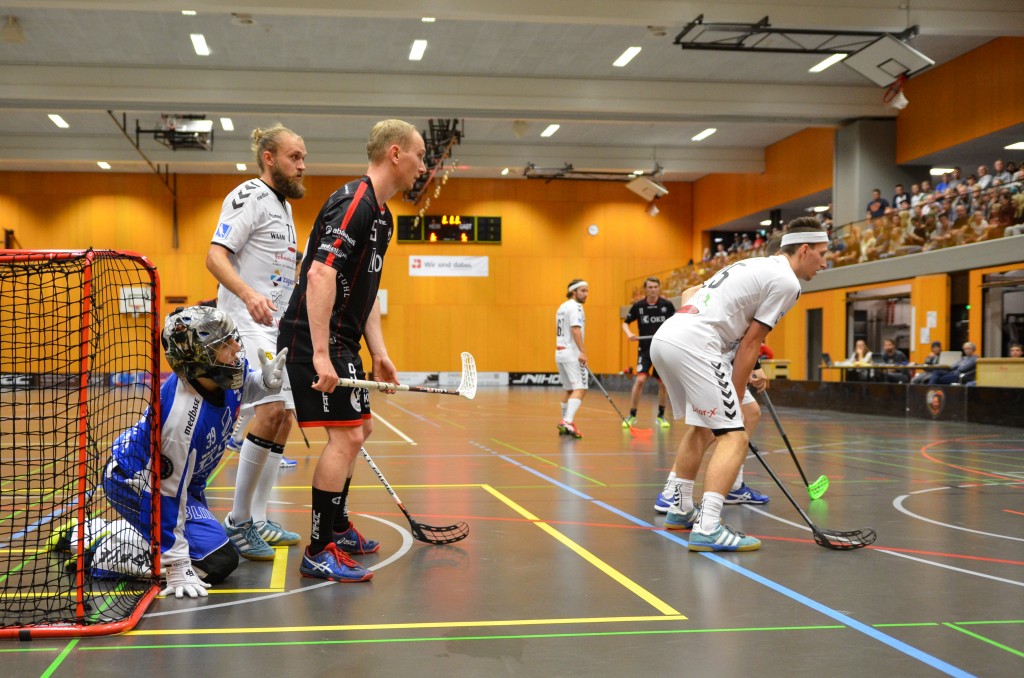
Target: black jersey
[649, 317]
[351, 235]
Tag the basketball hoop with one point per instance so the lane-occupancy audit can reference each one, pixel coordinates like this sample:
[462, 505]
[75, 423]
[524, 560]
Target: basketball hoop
[894, 97]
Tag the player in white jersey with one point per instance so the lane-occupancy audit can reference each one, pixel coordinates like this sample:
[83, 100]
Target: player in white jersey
[253, 256]
[570, 355]
[198, 405]
[706, 353]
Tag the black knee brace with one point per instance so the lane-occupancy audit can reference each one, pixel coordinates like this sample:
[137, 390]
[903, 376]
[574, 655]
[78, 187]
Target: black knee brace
[215, 568]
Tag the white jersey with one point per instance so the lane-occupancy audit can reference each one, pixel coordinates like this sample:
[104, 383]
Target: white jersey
[257, 228]
[719, 314]
[570, 314]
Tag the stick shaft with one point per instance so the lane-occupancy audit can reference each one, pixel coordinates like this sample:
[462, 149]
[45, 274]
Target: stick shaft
[600, 386]
[782, 432]
[384, 481]
[385, 386]
[782, 487]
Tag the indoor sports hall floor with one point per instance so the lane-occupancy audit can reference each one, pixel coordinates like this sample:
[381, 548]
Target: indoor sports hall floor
[567, 571]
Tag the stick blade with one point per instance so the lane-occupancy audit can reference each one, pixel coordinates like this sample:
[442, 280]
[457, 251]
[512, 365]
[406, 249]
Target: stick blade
[467, 386]
[818, 488]
[430, 534]
[839, 540]
[641, 432]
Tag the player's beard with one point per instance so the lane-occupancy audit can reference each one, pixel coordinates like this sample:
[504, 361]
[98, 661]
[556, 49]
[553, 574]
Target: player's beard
[291, 187]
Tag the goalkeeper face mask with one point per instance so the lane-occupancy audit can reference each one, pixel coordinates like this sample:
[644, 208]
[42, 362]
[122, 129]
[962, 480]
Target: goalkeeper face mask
[194, 337]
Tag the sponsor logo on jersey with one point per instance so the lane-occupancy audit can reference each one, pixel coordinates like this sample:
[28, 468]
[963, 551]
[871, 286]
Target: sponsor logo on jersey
[192, 414]
[166, 467]
[278, 236]
[223, 230]
[704, 413]
[355, 400]
[376, 263]
[263, 195]
[326, 403]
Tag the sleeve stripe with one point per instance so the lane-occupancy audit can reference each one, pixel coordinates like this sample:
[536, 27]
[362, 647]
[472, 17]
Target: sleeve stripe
[329, 260]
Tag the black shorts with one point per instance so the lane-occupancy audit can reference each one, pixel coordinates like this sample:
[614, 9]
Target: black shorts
[344, 407]
[644, 364]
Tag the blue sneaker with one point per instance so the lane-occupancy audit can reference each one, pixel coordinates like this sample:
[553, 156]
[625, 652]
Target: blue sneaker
[723, 539]
[745, 495]
[288, 463]
[247, 540]
[275, 535]
[681, 521]
[353, 542]
[666, 498]
[234, 445]
[333, 565]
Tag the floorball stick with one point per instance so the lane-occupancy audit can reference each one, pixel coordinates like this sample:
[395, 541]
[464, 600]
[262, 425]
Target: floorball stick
[633, 431]
[466, 389]
[819, 486]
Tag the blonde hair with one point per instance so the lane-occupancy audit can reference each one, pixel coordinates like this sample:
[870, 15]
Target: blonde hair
[384, 135]
[268, 140]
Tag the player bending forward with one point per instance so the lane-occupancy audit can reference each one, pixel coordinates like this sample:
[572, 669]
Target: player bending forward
[705, 355]
[198, 407]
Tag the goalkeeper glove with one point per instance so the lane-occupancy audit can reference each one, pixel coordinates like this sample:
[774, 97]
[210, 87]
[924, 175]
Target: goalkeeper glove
[182, 579]
[273, 369]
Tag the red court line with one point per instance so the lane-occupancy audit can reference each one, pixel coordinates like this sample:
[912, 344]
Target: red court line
[961, 468]
[1015, 512]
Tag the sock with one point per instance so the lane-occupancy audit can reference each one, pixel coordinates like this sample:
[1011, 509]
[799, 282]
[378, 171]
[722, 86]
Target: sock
[341, 521]
[565, 406]
[668, 481]
[661, 411]
[632, 412]
[711, 512]
[685, 488]
[251, 461]
[261, 497]
[244, 417]
[572, 406]
[738, 483]
[325, 505]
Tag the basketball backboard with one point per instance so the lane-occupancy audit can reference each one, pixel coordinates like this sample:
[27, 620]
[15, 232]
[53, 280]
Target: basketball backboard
[887, 58]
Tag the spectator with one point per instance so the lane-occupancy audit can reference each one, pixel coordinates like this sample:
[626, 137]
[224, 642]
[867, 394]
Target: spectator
[1016, 351]
[932, 359]
[961, 372]
[721, 253]
[1000, 172]
[900, 200]
[926, 187]
[861, 356]
[956, 179]
[942, 235]
[984, 178]
[877, 205]
[943, 184]
[915, 195]
[893, 356]
[707, 255]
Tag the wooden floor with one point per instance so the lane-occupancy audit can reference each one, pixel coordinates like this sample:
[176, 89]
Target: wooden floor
[567, 571]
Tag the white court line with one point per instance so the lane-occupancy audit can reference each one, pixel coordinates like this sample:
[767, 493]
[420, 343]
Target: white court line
[388, 424]
[898, 504]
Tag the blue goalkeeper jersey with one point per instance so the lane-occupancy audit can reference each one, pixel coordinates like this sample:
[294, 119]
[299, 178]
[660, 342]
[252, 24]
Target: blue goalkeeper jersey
[193, 434]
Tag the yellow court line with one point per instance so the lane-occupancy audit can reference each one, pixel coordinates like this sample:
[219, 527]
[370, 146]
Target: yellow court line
[277, 575]
[404, 626]
[622, 579]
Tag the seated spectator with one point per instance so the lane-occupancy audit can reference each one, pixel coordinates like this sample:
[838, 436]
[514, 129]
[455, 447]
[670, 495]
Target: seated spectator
[721, 253]
[978, 229]
[942, 235]
[1016, 351]
[1003, 213]
[943, 183]
[932, 359]
[707, 255]
[868, 246]
[999, 172]
[892, 356]
[984, 178]
[956, 178]
[877, 205]
[861, 356]
[926, 187]
[900, 200]
[961, 372]
[915, 195]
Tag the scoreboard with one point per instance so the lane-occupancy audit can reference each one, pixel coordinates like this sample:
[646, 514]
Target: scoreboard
[449, 228]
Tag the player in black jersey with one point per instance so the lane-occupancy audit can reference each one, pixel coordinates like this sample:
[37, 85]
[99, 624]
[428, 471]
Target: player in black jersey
[333, 308]
[649, 314]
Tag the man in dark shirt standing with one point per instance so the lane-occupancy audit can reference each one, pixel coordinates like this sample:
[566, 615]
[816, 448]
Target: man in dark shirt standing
[877, 206]
[649, 314]
[333, 308]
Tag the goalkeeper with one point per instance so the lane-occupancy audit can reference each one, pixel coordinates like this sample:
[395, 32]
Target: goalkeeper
[198, 407]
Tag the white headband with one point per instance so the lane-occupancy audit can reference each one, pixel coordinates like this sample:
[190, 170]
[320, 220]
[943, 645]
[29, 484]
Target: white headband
[802, 237]
[576, 285]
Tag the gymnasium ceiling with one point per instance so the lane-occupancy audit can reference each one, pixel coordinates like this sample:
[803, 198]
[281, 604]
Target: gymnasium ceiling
[330, 68]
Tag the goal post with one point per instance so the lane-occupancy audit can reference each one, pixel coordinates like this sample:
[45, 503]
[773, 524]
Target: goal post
[79, 366]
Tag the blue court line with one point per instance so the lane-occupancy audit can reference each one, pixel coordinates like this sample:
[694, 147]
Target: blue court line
[898, 645]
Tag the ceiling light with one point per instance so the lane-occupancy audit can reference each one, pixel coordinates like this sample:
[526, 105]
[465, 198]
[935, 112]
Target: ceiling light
[199, 44]
[428, 19]
[1019, 146]
[820, 208]
[103, 165]
[11, 32]
[418, 48]
[831, 61]
[549, 130]
[939, 171]
[58, 121]
[705, 134]
[766, 222]
[626, 56]
[188, 12]
[638, 172]
[504, 172]
[240, 166]
[227, 124]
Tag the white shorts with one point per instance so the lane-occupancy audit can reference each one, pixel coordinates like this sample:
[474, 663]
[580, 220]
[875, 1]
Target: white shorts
[699, 386]
[266, 341]
[573, 375]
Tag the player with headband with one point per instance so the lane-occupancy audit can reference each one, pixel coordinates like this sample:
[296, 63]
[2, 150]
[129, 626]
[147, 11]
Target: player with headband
[570, 355]
[705, 355]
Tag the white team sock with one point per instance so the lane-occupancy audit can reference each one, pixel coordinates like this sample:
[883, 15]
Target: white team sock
[738, 483]
[268, 478]
[565, 406]
[245, 415]
[251, 461]
[570, 410]
[710, 512]
[668, 481]
[685, 489]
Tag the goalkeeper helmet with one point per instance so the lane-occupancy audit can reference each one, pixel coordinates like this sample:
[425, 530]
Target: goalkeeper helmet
[193, 336]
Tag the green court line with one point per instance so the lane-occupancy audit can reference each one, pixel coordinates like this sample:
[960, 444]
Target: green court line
[972, 634]
[17, 568]
[223, 463]
[546, 461]
[55, 664]
[907, 624]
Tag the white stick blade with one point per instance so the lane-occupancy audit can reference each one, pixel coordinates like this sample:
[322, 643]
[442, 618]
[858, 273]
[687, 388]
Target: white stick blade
[467, 387]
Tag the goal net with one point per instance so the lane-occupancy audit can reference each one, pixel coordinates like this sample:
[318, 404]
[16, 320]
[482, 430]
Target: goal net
[79, 364]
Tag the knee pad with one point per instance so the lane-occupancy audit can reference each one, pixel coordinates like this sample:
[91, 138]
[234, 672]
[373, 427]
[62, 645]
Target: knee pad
[215, 568]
